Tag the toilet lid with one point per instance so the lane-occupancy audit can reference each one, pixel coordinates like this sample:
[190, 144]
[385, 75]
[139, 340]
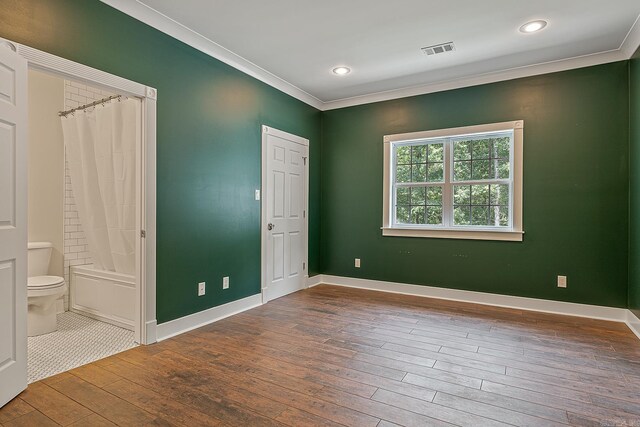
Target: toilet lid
[44, 282]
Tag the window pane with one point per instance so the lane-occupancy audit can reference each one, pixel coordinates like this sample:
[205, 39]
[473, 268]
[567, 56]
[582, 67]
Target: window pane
[417, 195]
[403, 196]
[462, 150]
[435, 172]
[462, 195]
[419, 154]
[500, 194]
[462, 171]
[479, 215]
[500, 169]
[417, 214]
[501, 147]
[403, 174]
[480, 195]
[403, 155]
[481, 169]
[499, 216]
[461, 215]
[403, 214]
[481, 149]
[434, 196]
[436, 152]
[481, 205]
[434, 215]
[419, 173]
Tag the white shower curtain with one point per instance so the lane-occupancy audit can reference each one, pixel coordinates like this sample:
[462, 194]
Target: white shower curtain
[101, 153]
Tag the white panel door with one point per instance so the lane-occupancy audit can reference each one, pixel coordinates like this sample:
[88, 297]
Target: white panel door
[285, 194]
[13, 224]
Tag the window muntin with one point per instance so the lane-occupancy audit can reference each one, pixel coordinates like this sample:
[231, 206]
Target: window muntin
[460, 180]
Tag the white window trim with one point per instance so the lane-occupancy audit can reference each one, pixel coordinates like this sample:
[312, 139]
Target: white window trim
[515, 233]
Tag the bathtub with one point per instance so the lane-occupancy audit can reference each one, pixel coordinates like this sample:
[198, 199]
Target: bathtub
[104, 295]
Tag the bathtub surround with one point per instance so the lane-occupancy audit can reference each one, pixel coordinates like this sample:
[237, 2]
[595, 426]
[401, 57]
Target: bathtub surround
[104, 295]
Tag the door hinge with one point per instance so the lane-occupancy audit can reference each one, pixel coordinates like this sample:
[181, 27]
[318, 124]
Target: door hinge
[304, 159]
[304, 214]
[304, 265]
[143, 233]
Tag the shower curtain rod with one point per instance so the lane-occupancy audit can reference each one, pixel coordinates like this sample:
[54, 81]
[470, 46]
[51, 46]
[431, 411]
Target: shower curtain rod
[93, 104]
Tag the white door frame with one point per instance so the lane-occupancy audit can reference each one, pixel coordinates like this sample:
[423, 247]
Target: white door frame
[263, 207]
[145, 322]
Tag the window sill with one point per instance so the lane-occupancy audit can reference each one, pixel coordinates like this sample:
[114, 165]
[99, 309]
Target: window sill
[509, 236]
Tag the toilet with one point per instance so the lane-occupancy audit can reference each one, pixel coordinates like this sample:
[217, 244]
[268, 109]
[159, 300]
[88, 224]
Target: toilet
[42, 290]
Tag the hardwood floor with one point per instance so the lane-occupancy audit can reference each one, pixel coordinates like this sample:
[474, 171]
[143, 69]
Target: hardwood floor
[333, 356]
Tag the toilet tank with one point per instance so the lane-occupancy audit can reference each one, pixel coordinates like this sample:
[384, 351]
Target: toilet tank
[38, 256]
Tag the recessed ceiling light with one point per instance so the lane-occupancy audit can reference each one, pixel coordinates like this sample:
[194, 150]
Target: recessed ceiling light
[533, 26]
[341, 71]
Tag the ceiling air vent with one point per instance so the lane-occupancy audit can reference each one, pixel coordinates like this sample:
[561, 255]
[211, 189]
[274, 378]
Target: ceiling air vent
[439, 48]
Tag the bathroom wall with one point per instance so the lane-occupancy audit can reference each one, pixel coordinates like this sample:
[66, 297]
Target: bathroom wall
[76, 251]
[46, 164]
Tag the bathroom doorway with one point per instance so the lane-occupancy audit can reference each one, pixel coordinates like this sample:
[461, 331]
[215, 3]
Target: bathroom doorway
[111, 302]
[82, 197]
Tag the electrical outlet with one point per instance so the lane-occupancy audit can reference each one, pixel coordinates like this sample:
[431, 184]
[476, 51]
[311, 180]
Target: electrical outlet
[201, 288]
[357, 263]
[562, 281]
[225, 282]
[257, 195]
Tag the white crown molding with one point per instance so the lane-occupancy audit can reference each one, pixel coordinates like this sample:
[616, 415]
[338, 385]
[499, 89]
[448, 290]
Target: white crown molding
[480, 79]
[202, 318]
[163, 23]
[507, 301]
[174, 29]
[631, 42]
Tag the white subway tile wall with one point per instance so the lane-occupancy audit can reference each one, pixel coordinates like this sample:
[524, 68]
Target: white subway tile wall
[76, 251]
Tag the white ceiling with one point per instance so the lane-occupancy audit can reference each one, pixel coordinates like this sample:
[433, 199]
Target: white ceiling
[294, 44]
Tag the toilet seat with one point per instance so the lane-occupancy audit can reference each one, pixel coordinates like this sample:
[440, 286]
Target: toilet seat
[44, 282]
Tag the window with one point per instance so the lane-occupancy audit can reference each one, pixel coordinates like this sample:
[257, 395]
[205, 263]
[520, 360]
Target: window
[455, 183]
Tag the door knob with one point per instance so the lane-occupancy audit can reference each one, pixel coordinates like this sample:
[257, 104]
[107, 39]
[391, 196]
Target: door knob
[270, 226]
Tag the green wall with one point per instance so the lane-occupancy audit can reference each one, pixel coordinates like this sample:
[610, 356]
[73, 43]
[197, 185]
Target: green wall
[576, 175]
[209, 137]
[634, 182]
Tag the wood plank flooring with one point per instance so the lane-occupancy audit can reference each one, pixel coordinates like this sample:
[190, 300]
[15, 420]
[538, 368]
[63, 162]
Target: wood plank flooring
[331, 356]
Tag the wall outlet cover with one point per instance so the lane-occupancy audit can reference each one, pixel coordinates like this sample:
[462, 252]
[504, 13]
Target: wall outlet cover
[357, 263]
[225, 282]
[562, 281]
[201, 288]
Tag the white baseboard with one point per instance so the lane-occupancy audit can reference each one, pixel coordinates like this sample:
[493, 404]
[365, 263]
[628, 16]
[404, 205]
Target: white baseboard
[633, 323]
[521, 303]
[202, 318]
[314, 280]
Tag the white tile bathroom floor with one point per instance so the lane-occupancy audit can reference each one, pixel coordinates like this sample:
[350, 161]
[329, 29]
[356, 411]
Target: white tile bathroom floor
[79, 340]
